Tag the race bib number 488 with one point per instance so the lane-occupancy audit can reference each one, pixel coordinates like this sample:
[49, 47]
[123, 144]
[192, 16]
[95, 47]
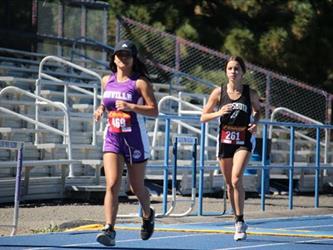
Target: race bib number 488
[229, 136]
[119, 122]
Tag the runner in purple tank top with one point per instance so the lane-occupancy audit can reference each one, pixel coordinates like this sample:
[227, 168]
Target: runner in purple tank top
[126, 133]
[128, 96]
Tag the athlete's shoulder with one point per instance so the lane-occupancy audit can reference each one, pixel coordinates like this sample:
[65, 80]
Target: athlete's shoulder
[142, 81]
[217, 91]
[105, 80]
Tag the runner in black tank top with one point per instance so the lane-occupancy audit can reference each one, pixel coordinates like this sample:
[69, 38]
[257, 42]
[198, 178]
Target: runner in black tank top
[233, 105]
[233, 131]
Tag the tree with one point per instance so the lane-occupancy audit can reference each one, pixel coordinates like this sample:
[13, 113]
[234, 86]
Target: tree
[292, 37]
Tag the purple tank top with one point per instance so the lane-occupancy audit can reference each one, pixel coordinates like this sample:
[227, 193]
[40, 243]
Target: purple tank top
[125, 91]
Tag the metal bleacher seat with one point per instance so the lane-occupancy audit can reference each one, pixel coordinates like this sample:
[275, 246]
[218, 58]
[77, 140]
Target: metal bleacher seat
[40, 160]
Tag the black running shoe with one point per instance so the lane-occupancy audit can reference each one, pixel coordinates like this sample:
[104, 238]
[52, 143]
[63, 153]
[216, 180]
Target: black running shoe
[107, 237]
[147, 228]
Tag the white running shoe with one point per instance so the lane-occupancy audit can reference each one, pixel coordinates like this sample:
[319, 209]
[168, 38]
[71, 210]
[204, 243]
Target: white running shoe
[240, 231]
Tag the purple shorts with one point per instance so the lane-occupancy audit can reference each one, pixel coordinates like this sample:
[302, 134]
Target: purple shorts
[134, 145]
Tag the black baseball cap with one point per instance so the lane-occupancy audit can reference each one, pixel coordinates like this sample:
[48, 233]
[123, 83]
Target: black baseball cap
[126, 45]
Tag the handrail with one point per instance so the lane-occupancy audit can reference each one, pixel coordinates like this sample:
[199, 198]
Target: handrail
[19, 147]
[43, 101]
[77, 88]
[189, 140]
[302, 118]
[66, 86]
[264, 166]
[291, 166]
[191, 128]
[60, 60]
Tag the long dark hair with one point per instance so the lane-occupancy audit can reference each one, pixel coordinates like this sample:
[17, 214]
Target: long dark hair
[139, 68]
[237, 59]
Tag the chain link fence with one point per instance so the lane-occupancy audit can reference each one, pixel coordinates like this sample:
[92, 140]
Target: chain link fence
[176, 61]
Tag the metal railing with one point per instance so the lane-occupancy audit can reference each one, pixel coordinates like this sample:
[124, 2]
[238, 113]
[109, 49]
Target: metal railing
[15, 145]
[43, 101]
[305, 119]
[67, 85]
[264, 166]
[195, 111]
[317, 166]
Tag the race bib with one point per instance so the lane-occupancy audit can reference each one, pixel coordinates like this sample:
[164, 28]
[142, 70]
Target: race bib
[119, 122]
[233, 136]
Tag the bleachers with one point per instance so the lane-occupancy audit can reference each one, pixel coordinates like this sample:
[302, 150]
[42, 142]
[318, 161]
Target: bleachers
[22, 73]
[21, 70]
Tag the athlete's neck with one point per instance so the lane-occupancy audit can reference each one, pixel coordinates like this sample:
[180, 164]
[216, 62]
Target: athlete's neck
[234, 87]
[123, 75]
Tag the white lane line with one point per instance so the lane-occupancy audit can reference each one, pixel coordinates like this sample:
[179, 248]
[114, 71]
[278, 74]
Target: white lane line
[330, 225]
[118, 241]
[274, 244]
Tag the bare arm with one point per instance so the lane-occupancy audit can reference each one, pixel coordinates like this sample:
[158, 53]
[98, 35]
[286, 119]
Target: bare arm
[104, 81]
[101, 108]
[149, 108]
[208, 112]
[255, 111]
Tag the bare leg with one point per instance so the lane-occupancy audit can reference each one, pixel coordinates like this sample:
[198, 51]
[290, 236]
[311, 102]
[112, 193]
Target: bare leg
[240, 161]
[226, 168]
[136, 174]
[113, 168]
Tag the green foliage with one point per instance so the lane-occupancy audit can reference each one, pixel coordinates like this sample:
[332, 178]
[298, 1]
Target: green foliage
[303, 18]
[250, 7]
[140, 12]
[240, 41]
[272, 44]
[186, 31]
[159, 26]
[292, 37]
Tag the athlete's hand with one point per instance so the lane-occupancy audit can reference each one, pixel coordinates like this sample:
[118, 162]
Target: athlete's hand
[123, 106]
[226, 109]
[252, 128]
[98, 113]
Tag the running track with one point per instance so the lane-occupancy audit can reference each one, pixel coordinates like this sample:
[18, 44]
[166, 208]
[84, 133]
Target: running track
[308, 232]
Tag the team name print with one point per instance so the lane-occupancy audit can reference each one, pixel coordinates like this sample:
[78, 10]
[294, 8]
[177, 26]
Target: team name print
[118, 95]
[239, 106]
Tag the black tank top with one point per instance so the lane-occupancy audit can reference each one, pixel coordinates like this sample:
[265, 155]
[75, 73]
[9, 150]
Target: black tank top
[241, 110]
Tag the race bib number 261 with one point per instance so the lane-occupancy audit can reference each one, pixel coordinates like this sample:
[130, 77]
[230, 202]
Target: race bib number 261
[233, 137]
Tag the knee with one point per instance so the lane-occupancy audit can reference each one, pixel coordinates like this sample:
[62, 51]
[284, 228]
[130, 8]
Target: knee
[236, 182]
[112, 186]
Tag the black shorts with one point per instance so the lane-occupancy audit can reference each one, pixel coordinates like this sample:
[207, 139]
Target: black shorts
[228, 150]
